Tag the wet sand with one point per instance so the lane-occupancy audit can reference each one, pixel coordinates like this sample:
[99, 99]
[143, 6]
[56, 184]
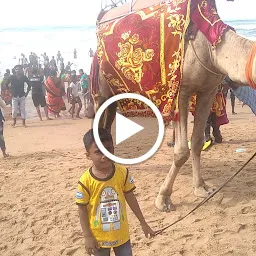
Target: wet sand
[38, 184]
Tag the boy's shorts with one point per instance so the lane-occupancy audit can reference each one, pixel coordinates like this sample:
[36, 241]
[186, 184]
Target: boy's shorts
[122, 250]
[39, 100]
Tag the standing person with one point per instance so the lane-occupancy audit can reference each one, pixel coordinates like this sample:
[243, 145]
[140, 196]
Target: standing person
[8, 72]
[18, 81]
[75, 54]
[2, 142]
[41, 71]
[227, 86]
[90, 53]
[68, 67]
[62, 65]
[74, 96]
[47, 71]
[53, 64]
[103, 191]
[32, 59]
[26, 70]
[23, 60]
[36, 60]
[46, 59]
[84, 81]
[59, 57]
[36, 82]
[233, 101]
[54, 93]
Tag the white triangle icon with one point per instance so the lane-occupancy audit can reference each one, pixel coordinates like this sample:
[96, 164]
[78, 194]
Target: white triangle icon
[125, 128]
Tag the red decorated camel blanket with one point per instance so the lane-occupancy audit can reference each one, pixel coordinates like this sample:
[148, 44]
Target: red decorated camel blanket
[143, 53]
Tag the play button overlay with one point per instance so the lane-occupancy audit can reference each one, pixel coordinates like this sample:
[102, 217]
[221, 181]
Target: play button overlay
[135, 139]
[125, 128]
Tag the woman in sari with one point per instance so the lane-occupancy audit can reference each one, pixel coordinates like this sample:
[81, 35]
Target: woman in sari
[54, 93]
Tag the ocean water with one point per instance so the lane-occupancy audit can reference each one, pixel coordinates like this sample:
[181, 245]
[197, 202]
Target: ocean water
[15, 41]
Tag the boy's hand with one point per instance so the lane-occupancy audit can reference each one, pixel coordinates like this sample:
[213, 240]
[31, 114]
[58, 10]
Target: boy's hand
[91, 245]
[147, 230]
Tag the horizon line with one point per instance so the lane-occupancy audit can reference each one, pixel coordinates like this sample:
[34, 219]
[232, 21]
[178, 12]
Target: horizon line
[84, 25]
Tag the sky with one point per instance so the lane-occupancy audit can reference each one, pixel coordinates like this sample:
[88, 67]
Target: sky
[30, 13]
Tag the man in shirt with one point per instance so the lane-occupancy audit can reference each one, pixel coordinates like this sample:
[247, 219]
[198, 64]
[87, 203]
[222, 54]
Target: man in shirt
[59, 56]
[17, 83]
[74, 95]
[36, 82]
[90, 53]
[68, 67]
[53, 64]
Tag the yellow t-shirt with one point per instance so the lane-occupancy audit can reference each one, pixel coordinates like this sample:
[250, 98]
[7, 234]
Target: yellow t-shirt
[106, 205]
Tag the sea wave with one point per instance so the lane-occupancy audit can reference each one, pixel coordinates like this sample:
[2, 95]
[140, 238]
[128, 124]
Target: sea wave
[14, 41]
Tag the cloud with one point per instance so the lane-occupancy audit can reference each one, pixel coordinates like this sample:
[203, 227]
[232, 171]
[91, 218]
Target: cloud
[49, 12]
[31, 13]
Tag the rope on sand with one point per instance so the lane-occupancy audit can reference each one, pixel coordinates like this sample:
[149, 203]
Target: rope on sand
[209, 197]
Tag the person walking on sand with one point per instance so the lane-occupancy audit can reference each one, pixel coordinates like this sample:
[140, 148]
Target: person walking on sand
[102, 194]
[227, 86]
[46, 59]
[84, 81]
[62, 65]
[54, 93]
[73, 96]
[75, 54]
[68, 67]
[23, 60]
[37, 83]
[59, 57]
[90, 53]
[53, 64]
[2, 142]
[17, 87]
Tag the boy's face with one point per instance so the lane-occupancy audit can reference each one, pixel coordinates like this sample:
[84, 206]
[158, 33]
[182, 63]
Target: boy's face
[98, 159]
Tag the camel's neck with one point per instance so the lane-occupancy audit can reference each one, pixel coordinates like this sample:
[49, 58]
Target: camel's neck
[232, 55]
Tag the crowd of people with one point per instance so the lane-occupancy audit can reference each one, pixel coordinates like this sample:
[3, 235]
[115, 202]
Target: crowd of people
[48, 85]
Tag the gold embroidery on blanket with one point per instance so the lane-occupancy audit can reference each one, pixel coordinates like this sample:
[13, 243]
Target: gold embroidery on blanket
[131, 59]
[177, 2]
[214, 11]
[162, 59]
[177, 22]
[101, 51]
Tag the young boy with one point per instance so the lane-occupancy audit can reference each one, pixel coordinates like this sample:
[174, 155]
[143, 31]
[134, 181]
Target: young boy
[102, 192]
[73, 96]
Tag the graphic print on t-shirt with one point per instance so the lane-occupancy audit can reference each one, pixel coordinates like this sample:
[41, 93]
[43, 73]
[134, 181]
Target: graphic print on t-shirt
[109, 210]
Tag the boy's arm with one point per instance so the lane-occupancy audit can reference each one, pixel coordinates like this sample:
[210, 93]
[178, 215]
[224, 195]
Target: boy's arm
[91, 244]
[133, 203]
[29, 86]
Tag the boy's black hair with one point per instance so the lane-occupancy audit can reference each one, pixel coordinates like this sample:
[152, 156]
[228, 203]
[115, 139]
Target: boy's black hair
[89, 138]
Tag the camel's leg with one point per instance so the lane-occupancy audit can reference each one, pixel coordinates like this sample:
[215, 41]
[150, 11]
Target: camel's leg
[105, 93]
[109, 116]
[203, 106]
[99, 100]
[181, 155]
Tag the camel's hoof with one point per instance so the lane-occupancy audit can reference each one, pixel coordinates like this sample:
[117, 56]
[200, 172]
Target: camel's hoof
[164, 203]
[203, 191]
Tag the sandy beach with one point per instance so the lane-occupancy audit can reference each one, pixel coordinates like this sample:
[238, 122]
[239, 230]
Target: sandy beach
[38, 183]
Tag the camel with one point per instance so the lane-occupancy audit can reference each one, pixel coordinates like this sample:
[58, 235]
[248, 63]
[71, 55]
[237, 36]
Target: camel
[204, 69]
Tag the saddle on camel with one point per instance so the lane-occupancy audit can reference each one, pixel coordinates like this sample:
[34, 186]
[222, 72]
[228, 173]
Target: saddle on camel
[168, 51]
